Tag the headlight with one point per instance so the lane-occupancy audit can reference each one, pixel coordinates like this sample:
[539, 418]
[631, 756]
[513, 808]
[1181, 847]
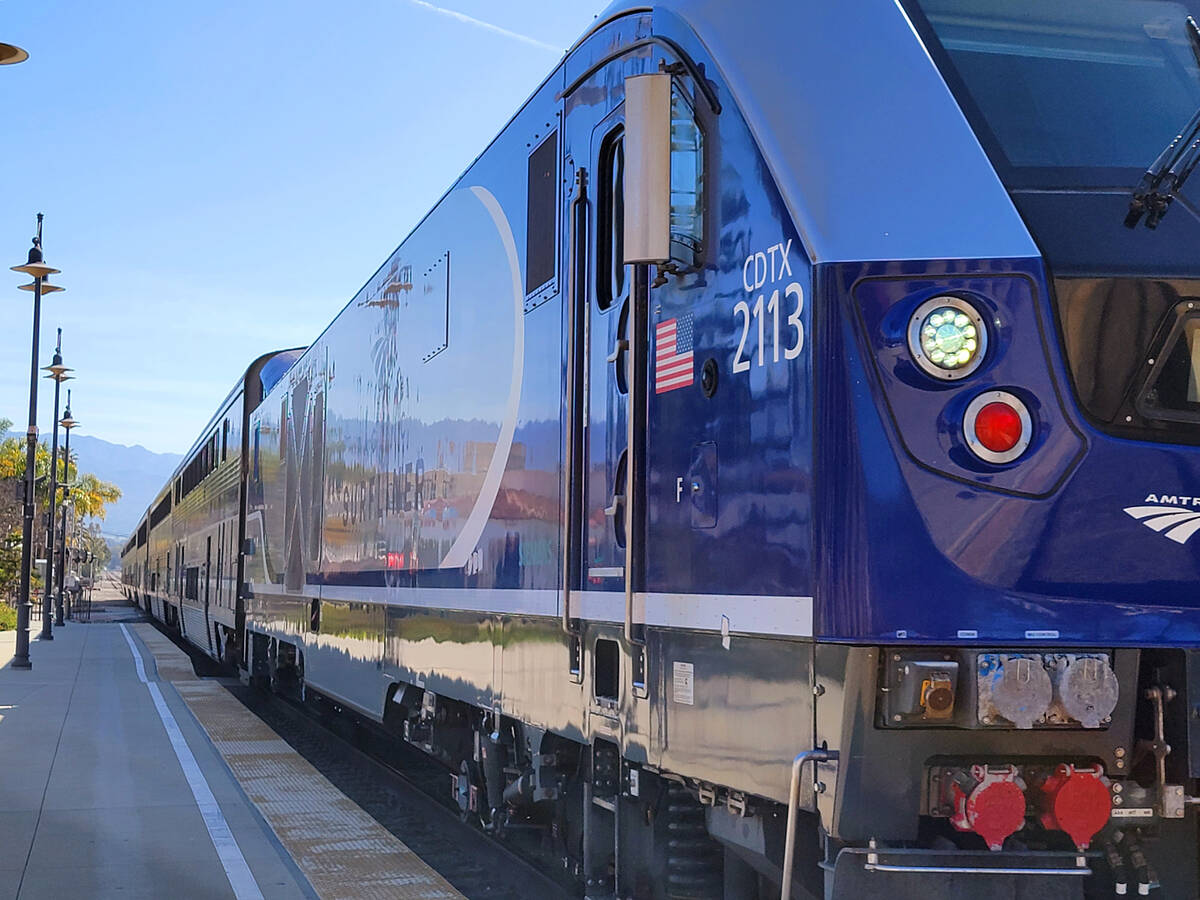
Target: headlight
[947, 338]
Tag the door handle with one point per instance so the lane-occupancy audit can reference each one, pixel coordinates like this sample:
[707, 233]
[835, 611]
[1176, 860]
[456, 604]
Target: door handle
[621, 346]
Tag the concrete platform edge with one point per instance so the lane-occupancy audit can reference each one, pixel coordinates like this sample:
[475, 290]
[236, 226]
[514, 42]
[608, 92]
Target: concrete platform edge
[180, 708]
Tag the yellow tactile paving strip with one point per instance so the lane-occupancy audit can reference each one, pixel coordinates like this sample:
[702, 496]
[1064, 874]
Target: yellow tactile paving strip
[172, 663]
[342, 851]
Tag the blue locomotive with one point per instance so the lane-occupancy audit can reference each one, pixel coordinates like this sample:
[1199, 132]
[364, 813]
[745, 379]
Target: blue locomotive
[771, 468]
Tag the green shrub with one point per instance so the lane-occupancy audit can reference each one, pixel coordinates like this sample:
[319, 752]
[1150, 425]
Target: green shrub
[8, 617]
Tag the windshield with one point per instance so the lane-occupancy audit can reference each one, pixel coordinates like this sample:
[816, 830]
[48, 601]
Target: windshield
[1077, 93]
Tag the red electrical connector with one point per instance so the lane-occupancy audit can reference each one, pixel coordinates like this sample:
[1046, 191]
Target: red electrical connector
[991, 803]
[1077, 801]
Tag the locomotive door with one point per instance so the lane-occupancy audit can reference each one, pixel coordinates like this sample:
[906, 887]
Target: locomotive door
[605, 424]
[603, 392]
[207, 590]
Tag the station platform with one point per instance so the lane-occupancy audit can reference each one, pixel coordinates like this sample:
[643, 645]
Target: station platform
[122, 774]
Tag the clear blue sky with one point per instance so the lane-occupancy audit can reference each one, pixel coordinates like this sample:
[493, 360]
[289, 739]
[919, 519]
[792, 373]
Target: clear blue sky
[218, 178]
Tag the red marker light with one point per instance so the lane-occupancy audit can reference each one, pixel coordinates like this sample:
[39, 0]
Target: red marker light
[998, 427]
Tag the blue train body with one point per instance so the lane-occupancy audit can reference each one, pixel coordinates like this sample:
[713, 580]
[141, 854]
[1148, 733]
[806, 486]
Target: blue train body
[855, 518]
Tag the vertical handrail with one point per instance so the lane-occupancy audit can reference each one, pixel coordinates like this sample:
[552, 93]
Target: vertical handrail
[570, 511]
[638, 352]
[789, 847]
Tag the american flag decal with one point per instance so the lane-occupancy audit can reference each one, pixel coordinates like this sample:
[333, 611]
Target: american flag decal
[673, 357]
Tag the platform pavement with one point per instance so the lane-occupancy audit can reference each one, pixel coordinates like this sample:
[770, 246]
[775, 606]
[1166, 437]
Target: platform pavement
[94, 800]
[112, 819]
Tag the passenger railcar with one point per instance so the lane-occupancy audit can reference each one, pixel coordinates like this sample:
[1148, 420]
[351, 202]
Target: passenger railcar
[183, 562]
[771, 466]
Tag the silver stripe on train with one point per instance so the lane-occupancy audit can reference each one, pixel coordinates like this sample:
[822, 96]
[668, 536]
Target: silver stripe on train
[779, 616]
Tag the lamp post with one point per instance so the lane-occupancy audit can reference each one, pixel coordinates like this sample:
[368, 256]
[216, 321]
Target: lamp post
[63, 558]
[58, 374]
[37, 268]
[68, 424]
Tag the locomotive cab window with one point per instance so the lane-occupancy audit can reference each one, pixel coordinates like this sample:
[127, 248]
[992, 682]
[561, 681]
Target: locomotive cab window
[541, 223]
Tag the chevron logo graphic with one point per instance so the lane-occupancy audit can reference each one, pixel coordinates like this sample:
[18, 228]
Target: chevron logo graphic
[1175, 522]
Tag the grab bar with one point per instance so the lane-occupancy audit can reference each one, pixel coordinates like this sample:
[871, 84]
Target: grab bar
[872, 852]
[570, 512]
[634, 432]
[789, 848]
[972, 870]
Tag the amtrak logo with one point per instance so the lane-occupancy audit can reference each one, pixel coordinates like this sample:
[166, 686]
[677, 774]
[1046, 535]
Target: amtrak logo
[1172, 516]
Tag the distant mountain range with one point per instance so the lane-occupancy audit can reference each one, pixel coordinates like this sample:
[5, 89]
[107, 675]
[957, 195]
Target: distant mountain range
[138, 472]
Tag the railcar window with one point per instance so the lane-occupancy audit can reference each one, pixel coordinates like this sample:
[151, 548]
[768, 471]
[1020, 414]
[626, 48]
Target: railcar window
[161, 511]
[225, 440]
[541, 223]
[610, 224]
[199, 467]
[284, 427]
[687, 180]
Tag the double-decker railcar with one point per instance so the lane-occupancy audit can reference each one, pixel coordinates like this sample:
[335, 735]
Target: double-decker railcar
[133, 559]
[771, 466]
[183, 563]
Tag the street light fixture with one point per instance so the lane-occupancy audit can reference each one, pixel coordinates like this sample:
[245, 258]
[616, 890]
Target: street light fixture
[11, 54]
[68, 424]
[35, 267]
[47, 287]
[58, 374]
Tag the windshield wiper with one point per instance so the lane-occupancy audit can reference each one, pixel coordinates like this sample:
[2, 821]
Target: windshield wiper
[1163, 180]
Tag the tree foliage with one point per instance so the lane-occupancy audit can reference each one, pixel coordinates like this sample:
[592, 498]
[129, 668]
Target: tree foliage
[89, 497]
